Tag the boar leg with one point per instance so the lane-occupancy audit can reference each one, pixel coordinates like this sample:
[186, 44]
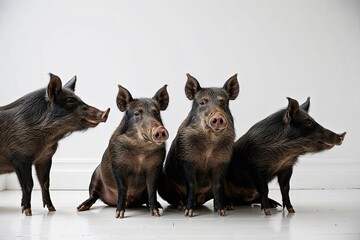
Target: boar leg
[218, 178]
[190, 183]
[284, 182]
[43, 175]
[122, 189]
[89, 202]
[263, 189]
[22, 167]
[151, 183]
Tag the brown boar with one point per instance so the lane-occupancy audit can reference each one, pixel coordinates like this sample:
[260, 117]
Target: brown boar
[31, 128]
[128, 173]
[195, 166]
[270, 149]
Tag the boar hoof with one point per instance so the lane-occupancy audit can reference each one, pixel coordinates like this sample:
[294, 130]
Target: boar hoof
[82, 207]
[155, 213]
[267, 211]
[27, 211]
[51, 209]
[188, 213]
[180, 207]
[221, 212]
[230, 207]
[120, 214]
[291, 210]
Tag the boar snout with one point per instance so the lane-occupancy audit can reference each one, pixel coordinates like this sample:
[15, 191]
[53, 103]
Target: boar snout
[95, 116]
[217, 121]
[160, 135]
[341, 138]
[105, 115]
[333, 139]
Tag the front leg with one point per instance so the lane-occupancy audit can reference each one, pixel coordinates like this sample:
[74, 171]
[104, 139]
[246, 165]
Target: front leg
[122, 189]
[284, 182]
[151, 185]
[190, 183]
[263, 189]
[43, 175]
[217, 180]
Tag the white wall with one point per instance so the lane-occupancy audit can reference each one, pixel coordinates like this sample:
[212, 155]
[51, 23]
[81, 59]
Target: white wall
[278, 48]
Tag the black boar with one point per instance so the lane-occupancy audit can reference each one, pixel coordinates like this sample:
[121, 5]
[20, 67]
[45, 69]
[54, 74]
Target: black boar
[270, 149]
[195, 166]
[31, 127]
[128, 173]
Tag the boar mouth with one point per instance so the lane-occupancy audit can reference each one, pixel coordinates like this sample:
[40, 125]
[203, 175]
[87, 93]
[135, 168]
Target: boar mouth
[92, 123]
[146, 137]
[327, 145]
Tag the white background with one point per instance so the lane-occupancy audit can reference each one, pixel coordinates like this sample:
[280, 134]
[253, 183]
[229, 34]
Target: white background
[278, 48]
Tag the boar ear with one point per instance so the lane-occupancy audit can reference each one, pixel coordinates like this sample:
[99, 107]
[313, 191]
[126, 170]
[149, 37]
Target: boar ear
[232, 87]
[292, 109]
[306, 105]
[71, 84]
[123, 98]
[162, 97]
[192, 87]
[54, 86]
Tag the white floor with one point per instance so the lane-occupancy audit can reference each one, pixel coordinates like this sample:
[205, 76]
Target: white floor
[320, 214]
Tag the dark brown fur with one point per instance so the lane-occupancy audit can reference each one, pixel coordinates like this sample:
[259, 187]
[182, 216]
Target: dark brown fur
[270, 149]
[31, 128]
[198, 157]
[128, 173]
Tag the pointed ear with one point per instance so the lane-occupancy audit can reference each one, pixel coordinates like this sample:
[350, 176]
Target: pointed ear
[292, 109]
[232, 87]
[162, 97]
[54, 87]
[123, 98]
[71, 84]
[306, 105]
[192, 87]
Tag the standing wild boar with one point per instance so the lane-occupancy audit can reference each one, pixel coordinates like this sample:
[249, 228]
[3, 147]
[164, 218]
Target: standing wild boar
[31, 127]
[128, 173]
[195, 166]
[271, 148]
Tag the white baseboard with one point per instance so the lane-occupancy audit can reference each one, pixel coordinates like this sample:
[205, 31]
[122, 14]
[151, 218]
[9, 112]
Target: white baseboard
[310, 173]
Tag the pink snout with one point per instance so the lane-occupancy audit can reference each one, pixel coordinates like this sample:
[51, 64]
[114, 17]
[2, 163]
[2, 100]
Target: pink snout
[160, 135]
[218, 121]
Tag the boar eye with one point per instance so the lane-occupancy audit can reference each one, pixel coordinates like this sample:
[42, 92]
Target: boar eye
[309, 123]
[136, 114]
[203, 101]
[71, 101]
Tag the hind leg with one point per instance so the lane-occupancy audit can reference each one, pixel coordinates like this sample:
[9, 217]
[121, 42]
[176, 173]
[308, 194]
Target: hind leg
[22, 167]
[170, 193]
[94, 189]
[88, 203]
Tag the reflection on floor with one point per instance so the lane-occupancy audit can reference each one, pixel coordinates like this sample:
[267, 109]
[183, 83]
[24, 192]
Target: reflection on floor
[320, 214]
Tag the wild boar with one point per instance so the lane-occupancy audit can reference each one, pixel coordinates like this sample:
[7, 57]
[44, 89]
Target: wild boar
[197, 160]
[270, 149]
[128, 173]
[30, 130]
